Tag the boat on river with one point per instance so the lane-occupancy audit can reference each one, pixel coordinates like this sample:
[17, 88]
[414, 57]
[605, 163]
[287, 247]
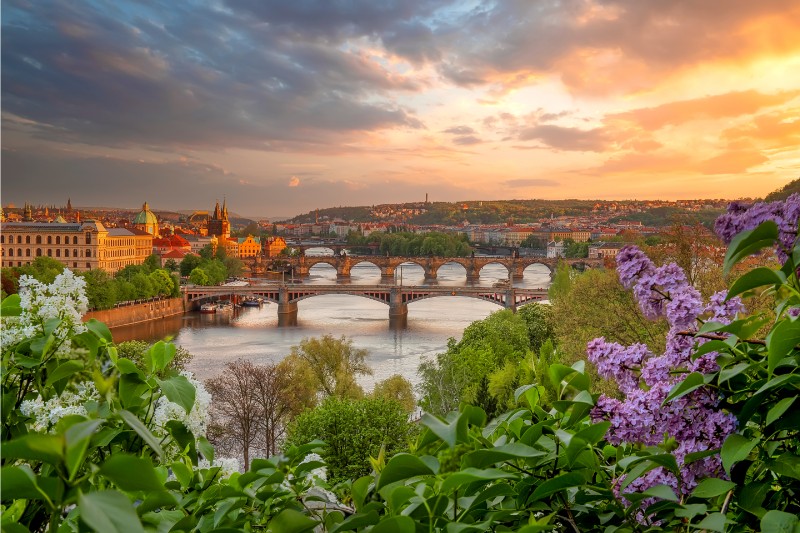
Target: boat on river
[251, 302]
[208, 308]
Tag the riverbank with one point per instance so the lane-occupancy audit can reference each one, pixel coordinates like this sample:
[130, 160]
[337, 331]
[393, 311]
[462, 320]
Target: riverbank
[138, 313]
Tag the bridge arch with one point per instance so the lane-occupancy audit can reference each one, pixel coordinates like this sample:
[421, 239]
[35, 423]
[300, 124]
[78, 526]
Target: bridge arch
[364, 261]
[377, 297]
[497, 262]
[537, 265]
[457, 262]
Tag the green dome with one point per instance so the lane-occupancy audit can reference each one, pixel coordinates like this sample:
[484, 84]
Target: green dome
[146, 217]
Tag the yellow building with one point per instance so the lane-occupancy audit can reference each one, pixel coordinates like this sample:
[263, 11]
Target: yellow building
[79, 246]
[249, 247]
[274, 246]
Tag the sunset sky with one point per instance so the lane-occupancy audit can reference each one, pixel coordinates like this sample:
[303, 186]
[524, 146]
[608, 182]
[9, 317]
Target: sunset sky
[283, 106]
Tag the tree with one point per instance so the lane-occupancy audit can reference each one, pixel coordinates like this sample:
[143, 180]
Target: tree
[276, 406]
[562, 281]
[215, 270]
[189, 263]
[538, 319]
[335, 364]
[235, 412]
[135, 350]
[171, 265]
[162, 282]
[198, 276]
[233, 266]
[144, 285]
[101, 289]
[152, 263]
[43, 268]
[353, 431]
[396, 388]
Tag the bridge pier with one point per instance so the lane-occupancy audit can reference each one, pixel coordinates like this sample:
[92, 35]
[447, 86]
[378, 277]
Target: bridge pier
[511, 300]
[287, 310]
[397, 307]
[430, 272]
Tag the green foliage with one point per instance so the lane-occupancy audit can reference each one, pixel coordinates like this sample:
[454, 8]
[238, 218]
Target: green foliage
[334, 364]
[135, 351]
[189, 263]
[539, 321]
[198, 276]
[784, 192]
[102, 290]
[414, 244]
[562, 282]
[396, 388]
[353, 431]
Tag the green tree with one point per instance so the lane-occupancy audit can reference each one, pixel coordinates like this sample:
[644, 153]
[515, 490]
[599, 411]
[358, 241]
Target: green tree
[198, 276]
[162, 282]
[189, 263]
[43, 268]
[538, 319]
[335, 364]
[562, 281]
[144, 285]
[102, 290]
[233, 266]
[171, 265]
[152, 263]
[396, 388]
[353, 431]
[136, 350]
[215, 270]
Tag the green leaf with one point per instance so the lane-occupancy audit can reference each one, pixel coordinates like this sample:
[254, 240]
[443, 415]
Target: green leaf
[778, 522]
[64, 370]
[131, 473]
[109, 512]
[184, 438]
[142, 431]
[159, 356]
[35, 447]
[594, 433]
[11, 306]
[451, 433]
[711, 487]
[179, 390]
[77, 439]
[359, 491]
[489, 456]
[291, 521]
[395, 524]
[402, 466]
[557, 484]
[735, 448]
[779, 408]
[205, 448]
[713, 522]
[781, 342]
[468, 475]
[99, 329]
[663, 492]
[730, 372]
[692, 382]
[758, 277]
[749, 242]
[22, 483]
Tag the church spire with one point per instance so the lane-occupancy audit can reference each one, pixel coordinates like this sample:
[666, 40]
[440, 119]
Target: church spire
[216, 211]
[224, 209]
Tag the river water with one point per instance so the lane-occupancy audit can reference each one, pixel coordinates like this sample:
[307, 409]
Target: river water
[253, 333]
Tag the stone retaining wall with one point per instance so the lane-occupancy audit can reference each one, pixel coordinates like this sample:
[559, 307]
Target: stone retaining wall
[134, 314]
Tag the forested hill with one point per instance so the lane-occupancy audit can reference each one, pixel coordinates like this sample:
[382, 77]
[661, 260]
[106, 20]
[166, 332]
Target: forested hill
[480, 212]
[783, 193]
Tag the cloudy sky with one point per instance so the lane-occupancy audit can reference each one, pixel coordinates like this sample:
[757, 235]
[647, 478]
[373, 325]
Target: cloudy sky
[282, 106]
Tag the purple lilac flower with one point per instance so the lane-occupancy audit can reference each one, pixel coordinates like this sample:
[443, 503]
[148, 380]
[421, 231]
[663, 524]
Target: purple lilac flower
[721, 311]
[794, 312]
[740, 218]
[631, 264]
[618, 362]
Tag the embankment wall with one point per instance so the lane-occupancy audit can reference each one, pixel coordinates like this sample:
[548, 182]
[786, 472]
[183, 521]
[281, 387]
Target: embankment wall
[136, 313]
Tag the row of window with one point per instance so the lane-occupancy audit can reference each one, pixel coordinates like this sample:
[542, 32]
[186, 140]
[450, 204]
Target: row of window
[49, 252]
[49, 239]
[20, 263]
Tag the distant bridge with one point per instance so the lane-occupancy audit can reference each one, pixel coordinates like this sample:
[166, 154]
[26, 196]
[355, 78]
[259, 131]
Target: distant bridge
[515, 265]
[396, 297]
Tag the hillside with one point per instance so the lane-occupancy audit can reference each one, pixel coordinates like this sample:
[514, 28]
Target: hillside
[783, 193]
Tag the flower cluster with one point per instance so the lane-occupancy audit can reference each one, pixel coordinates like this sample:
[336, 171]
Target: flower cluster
[693, 422]
[64, 299]
[196, 420]
[45, 415]
[741, 217]
[227, 465]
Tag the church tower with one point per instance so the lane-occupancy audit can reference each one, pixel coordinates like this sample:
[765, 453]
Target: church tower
[27, 214]
[219, 225]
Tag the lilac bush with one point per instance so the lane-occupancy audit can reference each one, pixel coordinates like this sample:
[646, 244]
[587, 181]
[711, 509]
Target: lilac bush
[692, 423]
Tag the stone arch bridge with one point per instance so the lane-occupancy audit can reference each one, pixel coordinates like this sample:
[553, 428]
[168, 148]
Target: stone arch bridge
[473, 265]
[396, 297]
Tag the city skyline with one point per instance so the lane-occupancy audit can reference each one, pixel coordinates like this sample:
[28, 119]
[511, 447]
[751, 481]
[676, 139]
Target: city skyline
[282, 108]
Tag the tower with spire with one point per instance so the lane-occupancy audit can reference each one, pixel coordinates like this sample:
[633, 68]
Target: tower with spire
[218, 224]
[27, 213]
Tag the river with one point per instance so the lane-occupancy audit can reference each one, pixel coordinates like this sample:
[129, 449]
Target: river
[253, 333]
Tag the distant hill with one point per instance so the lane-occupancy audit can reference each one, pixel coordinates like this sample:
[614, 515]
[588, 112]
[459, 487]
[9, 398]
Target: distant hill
[783, 193]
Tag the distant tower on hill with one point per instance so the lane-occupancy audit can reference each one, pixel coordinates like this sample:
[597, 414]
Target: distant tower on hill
[426, 198]
[69, 205]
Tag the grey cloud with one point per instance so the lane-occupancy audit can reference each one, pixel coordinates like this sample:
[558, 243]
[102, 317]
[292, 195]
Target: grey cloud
[561, 138]
[460, 130]
[531, 182]
[186, 76]
[467, 140]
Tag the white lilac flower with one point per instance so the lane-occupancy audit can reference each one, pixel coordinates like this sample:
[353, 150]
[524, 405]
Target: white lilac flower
[45, 415]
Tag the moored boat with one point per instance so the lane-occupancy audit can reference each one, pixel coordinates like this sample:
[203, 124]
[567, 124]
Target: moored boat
[208, 308]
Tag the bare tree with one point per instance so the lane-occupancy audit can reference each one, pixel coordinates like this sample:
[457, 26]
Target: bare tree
[235, 411]
[276, 404]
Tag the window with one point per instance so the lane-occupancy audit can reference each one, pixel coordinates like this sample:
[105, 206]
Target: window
[88, 238]
[38, 252]
[58, 252]
[38, 239]
[3, 239]
[49, 239]
[66, 252]
[88, 265]
[58, 239]
[88, 253]
[75, 240]
[74, 264]
[49, 252]
[27, 252]
[11, 252]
